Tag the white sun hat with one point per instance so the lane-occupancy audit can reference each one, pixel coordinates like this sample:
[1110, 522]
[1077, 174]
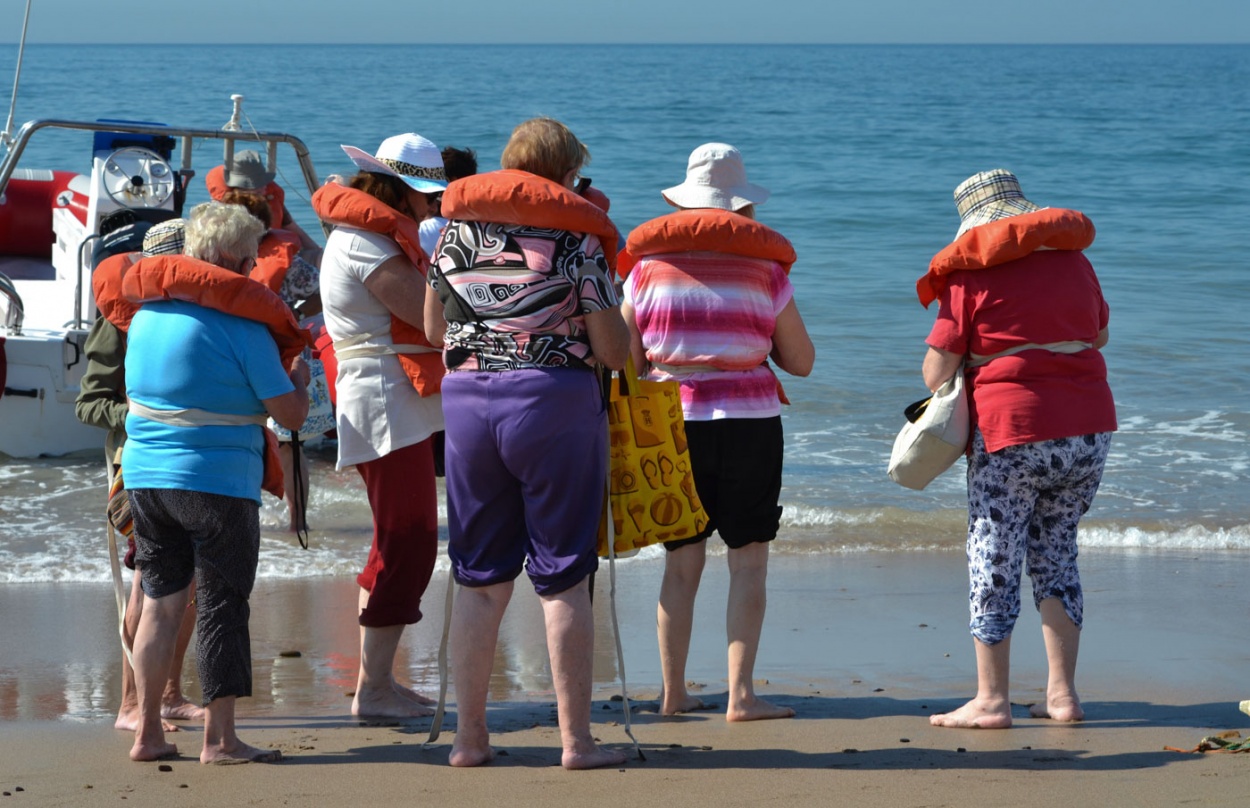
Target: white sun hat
[412, 158]
[716, 178]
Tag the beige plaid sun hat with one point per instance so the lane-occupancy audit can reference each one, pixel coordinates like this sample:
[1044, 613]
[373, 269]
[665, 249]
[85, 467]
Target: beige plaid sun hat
[165, 238]
[989, 196]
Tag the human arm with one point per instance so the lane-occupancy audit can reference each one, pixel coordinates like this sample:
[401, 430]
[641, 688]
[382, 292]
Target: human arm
[399, 287]
[792, 345]
[1102, 339]
[939, 366]
[102, 391]
[636, 348]
[609, 336]
[291, 409]
[310, 250]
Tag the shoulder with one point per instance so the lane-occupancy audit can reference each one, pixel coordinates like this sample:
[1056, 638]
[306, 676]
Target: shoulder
[354, 242]
[356, 252]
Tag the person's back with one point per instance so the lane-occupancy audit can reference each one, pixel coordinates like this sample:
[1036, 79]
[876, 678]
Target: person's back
[712, 320]
[1044, 298]
[708, 319]
[185, 356]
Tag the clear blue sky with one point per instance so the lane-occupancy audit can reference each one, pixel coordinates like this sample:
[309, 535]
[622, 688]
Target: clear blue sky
[630, 21]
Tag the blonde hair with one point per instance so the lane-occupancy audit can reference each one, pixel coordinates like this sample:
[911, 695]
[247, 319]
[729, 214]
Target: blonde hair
[545, 147]
[222, 234]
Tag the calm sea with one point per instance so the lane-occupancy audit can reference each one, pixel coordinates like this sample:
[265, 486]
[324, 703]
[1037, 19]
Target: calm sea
[861, 147]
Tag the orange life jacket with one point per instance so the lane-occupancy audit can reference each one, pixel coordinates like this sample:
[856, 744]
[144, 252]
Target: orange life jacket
[705, 230]
[180, 277]
[106, 285]
[998, 242]
[215, 181]
[708, 230]
[521, 198]
[340, 205]
[277, 250]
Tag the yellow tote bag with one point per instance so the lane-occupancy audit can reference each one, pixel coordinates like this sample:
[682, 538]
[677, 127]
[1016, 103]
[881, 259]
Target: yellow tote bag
[651, 485]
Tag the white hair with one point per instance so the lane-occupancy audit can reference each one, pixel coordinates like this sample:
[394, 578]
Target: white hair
[222, 234]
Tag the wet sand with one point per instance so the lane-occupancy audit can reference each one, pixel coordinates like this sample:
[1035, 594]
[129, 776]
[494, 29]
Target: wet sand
[864, 647]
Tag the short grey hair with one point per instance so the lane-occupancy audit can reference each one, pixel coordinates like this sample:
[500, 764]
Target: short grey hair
[222, 234]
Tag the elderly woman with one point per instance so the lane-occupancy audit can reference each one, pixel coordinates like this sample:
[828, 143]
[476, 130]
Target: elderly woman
[527, 310]
[203, 368]
[1021, 310]
[373, 293]
[708, 303]
[102, 403]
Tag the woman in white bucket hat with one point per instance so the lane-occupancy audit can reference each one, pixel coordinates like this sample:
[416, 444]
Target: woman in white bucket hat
[372, 289]
[708, 300]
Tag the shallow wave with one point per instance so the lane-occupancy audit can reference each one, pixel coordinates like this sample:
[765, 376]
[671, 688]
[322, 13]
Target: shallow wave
[884, 532]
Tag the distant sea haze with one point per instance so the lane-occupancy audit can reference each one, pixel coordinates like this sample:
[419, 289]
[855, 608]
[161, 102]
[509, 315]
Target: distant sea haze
[861, 148]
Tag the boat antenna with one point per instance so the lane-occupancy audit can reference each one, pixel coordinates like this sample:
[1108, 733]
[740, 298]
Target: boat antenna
[232, 125]
[6, 137]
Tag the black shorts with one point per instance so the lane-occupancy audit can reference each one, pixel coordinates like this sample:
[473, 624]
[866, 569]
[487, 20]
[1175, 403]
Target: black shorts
[737, 472]
[177, 530]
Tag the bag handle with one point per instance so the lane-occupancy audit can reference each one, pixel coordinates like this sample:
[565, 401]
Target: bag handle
[628, 378]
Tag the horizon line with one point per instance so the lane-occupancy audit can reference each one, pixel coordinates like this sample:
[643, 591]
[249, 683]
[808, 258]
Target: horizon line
[650, 44]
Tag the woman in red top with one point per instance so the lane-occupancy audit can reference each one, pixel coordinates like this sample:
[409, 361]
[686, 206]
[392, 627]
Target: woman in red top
[1021, 309]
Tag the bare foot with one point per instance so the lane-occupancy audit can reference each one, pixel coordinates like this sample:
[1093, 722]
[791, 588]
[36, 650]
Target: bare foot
[238, 753]
[1059, 708]
[128, 720]
[757, 710]
[153, 751]
[466, 753]
[686, 703]
[180, 709]
[412, 695]
[387, 703]
[976, 715]
[594, 758]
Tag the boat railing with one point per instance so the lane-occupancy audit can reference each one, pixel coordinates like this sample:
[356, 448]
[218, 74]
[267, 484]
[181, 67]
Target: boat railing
[231, 136]
[187, 136]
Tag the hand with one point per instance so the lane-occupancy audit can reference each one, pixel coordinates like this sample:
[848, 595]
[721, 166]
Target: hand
[300, 374]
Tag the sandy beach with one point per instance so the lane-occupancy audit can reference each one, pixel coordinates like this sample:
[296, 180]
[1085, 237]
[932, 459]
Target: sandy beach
[863, 646]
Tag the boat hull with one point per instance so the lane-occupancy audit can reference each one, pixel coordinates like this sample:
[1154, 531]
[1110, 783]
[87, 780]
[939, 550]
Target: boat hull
[44, 370]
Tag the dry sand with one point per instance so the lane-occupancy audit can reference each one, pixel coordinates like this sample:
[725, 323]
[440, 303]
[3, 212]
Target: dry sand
[864, 647]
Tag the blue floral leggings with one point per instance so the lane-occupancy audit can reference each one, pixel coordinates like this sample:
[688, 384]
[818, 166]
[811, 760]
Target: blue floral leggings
[1024, 502]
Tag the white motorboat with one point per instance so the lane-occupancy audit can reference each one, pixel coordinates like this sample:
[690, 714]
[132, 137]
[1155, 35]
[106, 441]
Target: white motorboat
[51, 222]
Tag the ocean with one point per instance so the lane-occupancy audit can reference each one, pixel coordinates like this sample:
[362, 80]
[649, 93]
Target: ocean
[861, 147]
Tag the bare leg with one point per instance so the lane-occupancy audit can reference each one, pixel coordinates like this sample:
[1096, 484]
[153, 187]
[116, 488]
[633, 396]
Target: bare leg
[1063, 640]
[154, 646]
[221, 742]
[475, 621]
[683, 569]
[991, 709]
[377, 693]
[744, 619]
[173, 703]
[297, 517]
[128, 712]
[570, 642]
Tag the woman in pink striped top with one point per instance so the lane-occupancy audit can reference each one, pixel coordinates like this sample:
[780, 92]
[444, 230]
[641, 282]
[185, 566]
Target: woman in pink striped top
[708, 303]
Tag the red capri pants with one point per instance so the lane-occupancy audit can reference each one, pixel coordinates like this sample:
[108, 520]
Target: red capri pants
[401, 491]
